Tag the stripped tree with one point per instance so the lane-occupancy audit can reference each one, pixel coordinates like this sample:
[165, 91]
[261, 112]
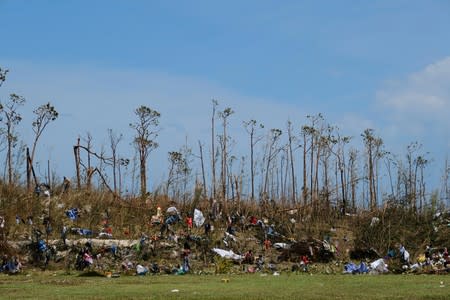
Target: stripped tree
[250, 127]
[146, 128]
[44, 114]
[373, 151]
[11, 118]
[224, 115]
[213, 155]
[114, 141]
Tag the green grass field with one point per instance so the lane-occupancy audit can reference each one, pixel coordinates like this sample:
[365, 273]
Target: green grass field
[61, 286]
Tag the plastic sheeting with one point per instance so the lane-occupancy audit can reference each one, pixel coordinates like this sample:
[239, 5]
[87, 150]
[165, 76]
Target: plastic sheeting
[351, 268]
[141, 270]
[379, 266]
[172, 210]
[199, 219]
[404, 253]
[229, 254]
[281, 246]
[72, 213]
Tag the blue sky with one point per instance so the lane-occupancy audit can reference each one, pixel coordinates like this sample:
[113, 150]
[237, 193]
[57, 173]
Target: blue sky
[378, 64]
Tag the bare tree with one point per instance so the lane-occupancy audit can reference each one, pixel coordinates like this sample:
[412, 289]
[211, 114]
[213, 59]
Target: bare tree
[373, 150]
[389, 162]
[414, 185]
[224, 115]
[291, 139]
[271, 152]
[352, 160]
[250, 127]
[341, 142]
[176, 165]
[203, 168]
[445, 190]
[77, 155]
[213, 155]
[325, 145]
[421, 162]
[11, 118]
[44, 114]
[146, 133]
[305, 131]
[313, 132]
[185, 169]
[3, 73]
[114, 141]
[89, 169]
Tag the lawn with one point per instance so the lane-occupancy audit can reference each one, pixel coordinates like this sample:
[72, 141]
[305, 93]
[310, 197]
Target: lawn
[48, 285]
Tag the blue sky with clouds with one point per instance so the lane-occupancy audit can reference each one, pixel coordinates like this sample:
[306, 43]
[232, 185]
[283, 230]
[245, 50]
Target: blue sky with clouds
[378, 64]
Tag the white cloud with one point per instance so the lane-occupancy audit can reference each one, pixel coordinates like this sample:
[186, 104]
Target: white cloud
[417, 109]
[420, 100]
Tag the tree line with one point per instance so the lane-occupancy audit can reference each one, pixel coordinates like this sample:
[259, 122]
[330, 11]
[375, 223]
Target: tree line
[313, 165]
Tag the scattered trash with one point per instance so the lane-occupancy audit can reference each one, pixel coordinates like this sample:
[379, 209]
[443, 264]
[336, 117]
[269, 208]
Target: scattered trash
[228, 254]
[141, 270]
[281, 246]
[199, 219]
[378, 267]
[351, 268]
[72, 213]
[105, 235]
[375, 221]
[405, 254]
[175, 291]
[81, 231]
[172, 210]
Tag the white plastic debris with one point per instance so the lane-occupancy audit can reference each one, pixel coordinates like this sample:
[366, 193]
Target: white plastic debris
[228, 254]
[281, 246]
[379, 266]
[172, 210]
[374, 221]
[199, 219]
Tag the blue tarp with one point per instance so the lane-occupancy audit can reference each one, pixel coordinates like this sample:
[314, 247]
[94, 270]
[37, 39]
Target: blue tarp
[72, 213]
[42, 246]
[351, 268]
[81, 231]
[172, 219]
